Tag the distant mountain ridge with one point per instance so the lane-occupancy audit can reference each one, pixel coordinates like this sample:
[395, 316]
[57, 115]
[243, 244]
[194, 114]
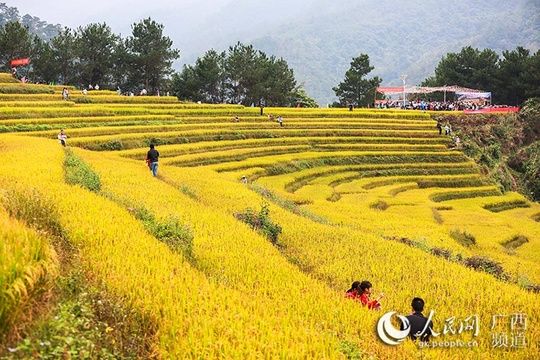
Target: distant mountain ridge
[38, 27]
[319, 38]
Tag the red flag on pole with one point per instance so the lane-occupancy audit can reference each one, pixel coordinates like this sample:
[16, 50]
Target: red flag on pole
[19, 62]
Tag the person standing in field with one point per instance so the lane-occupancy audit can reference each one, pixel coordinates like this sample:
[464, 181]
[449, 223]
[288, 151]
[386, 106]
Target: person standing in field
[62, 137]
[365, 292]
[152, 157]
[439, 126]
[280, 120]
[457, 141]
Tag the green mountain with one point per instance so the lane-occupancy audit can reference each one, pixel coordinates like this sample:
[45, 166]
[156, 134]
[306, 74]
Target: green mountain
[399, 37]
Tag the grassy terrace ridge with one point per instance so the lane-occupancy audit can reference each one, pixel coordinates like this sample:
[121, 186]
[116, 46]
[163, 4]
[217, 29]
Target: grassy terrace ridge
[139, 140]
[288, 163]
[38, 104]
[391, 174]
[203, 146]
[184, 277]
[243, 126]
[95, 121]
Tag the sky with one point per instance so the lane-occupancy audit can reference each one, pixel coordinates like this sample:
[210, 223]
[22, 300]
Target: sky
[118, 14]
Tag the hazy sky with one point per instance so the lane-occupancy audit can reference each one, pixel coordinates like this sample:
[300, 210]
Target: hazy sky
[118, 14]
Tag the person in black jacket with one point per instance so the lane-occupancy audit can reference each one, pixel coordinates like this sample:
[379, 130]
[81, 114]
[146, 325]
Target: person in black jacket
[418, 322]
[152, 158]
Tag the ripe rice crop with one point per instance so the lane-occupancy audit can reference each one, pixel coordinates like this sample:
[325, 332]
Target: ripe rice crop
[340, 184]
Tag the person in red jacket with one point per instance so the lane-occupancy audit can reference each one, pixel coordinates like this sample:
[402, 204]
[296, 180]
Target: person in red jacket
[365, 292]
[354, 291]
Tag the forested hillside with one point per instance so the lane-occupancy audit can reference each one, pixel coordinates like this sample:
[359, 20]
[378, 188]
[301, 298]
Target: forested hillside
[399, 37]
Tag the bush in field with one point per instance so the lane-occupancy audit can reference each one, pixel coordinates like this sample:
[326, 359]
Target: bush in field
[170, 230]
[484, 264]
[112, 145]
[261, 222]
[463, 237]
[380, 205]
[532, 170]
[84, 100]
[515, 242]
[79, 173]
[507, 205]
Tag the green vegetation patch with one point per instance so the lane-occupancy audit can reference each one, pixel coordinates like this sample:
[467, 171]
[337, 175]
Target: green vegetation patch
[77, 172]
[463, 238]
[288, 205]
[169, 230]
[507, 205]
[261, 222]
[464, 194]
[515, 242]
[380, 205]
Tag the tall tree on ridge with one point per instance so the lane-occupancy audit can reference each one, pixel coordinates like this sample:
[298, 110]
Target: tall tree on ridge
[95, 47]
[355, 89]
[152, 54]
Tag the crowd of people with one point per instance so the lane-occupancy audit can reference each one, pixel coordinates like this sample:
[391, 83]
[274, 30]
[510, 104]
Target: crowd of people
[431, 105]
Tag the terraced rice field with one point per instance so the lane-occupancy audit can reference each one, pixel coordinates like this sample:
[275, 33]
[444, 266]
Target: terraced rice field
[363, 195]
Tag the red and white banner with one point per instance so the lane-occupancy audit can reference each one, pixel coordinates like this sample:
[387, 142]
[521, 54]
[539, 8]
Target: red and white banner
[492, 110]
[19, 62]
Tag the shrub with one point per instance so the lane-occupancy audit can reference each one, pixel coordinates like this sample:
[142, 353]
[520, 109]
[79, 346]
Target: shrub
[507, 205]
[437, 216]
[463, 237]
[515, 242]
[84, 100]
[112, 145]
[261, 222]
[440, 252]
[170, 230]
[484, 264]
[174, 234]
[379, 205]
[77, 172]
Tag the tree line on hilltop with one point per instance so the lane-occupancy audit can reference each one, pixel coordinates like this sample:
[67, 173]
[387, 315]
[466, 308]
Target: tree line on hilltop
[92, 55]
[512, 78]
[242, 75]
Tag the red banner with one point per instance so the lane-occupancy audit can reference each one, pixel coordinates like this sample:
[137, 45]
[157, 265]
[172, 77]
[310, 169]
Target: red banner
[19, 62]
